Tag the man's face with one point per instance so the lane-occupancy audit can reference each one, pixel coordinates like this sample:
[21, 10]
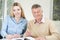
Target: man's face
[37, 13]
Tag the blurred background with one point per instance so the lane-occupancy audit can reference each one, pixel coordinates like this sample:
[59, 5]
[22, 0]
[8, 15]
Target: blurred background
[51, 9]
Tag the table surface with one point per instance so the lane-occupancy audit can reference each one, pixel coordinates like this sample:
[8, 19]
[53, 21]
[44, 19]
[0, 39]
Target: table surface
[30, 38]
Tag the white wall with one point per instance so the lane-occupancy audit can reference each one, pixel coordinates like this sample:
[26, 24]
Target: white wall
[26, 4]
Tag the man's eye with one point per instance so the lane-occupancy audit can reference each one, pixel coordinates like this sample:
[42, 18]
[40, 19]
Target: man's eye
[18, 9]
[34, 12]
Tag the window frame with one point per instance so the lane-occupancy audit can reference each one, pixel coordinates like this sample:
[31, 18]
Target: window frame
[51, 10]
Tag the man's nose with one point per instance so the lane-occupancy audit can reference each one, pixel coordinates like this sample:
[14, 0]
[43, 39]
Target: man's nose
[36, 13]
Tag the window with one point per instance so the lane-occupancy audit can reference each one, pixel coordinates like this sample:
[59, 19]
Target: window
[5, 6]
[1, 11]
[56, 10]
[9, 4]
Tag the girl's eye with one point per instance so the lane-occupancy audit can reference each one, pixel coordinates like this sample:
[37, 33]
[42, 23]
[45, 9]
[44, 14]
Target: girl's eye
[18, 9]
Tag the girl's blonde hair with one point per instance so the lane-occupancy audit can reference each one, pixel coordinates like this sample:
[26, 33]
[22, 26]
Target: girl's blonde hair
[16, 4]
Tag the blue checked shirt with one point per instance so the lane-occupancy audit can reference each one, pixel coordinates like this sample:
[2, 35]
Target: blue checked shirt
[10, 26]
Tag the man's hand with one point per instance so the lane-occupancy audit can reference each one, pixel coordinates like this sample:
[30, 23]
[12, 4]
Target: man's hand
[40, 38]
[28, 33]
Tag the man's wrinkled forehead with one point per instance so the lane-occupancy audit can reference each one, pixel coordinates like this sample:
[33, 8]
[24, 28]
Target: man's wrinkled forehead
[37, 9]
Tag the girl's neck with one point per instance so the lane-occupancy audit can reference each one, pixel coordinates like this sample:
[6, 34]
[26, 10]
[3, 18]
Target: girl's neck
[17, 19]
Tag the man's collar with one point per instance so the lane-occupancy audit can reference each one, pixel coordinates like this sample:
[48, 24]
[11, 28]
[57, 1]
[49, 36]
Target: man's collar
[42, 20]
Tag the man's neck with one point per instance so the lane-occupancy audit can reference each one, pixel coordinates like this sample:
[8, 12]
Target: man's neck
[38, 20]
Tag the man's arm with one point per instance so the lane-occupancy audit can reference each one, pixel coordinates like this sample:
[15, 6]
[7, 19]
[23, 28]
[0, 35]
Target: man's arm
[54, 32]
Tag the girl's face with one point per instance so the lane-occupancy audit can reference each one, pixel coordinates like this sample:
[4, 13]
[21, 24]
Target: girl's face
[17, 11]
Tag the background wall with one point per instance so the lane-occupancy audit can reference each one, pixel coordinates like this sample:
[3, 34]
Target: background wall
[28, 3]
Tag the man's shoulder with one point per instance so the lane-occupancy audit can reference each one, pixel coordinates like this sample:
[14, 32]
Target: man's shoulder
[48, 20]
